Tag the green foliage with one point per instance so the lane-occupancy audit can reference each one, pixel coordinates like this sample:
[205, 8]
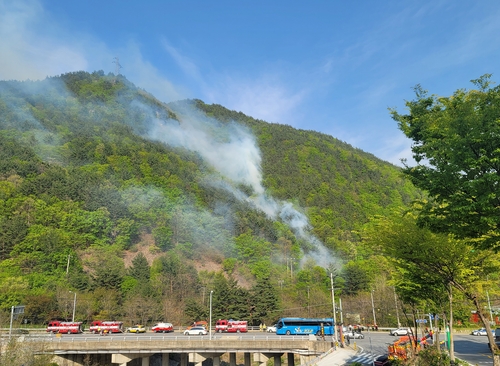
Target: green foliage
[430, 267]
[106, 269]
[140, 268]
[432, 356]
[229, 300]
[40, 307]
[356, 278]
[343, 186]
[79, 180]
[195, 311]
[455, 146]
[265, 301]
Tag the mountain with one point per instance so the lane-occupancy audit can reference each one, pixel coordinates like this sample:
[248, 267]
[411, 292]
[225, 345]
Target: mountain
[143, 207]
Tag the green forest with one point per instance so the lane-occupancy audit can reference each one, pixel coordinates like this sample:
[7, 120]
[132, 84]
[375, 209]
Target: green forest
[100, 209]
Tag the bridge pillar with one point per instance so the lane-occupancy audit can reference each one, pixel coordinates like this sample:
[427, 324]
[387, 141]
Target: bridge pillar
[248, 361]
[68, 360]
[165, 359]
[277, 360]
[260, 358]
[290, 359]
[184, 359]
[200, 357]
[216, 361]
[197, 358]
[275, 356]
[305, 359]
[232, 359]
[124, 358]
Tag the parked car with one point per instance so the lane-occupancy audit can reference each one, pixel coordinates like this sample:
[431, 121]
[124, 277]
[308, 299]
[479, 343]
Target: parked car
[196, 331]
[400, 331]
[162, 327]
[479, 332]
[353, 335]
[271, 329]
[136, 329]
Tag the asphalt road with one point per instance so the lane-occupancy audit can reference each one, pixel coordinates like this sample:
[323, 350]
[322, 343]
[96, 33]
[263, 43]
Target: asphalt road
[473, 349]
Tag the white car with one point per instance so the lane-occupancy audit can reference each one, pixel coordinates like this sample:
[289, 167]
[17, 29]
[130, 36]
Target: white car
[196, 331]
[353, 335]
[400, 331]
[479, 332]
[271, 329]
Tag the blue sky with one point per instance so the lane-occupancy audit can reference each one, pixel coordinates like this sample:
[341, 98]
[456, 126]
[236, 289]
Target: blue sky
[329, 66]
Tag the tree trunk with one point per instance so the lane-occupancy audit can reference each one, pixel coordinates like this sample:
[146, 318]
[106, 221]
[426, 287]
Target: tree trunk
[496, 360]
[491, 338]
[452, 348]
[435, 337]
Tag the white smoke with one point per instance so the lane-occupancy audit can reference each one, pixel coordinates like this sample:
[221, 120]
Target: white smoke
[232, 151]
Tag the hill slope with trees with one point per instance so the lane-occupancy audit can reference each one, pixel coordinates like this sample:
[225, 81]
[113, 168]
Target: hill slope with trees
[101, 194]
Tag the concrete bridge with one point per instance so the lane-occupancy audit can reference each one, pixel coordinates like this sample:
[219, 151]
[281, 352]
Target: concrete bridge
[140, 351]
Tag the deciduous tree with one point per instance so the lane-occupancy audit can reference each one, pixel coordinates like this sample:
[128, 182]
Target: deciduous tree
[433, 264]
[456, 144]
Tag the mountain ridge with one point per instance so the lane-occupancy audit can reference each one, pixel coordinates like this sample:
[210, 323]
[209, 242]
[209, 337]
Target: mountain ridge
[91, 162]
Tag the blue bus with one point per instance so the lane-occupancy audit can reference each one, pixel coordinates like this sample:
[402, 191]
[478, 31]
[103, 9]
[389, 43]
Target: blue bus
[290, 326]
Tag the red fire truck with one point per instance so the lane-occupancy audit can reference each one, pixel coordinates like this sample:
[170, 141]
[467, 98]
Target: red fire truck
[99, 326]
[56, 326]
[231, 326]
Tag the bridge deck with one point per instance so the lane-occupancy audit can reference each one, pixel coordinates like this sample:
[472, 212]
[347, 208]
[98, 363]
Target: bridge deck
[93, 345]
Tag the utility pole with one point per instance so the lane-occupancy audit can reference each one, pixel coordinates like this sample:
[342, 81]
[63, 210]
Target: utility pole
[67, 265]
[74, 306]
[341, 314]
[334, 316]
[210, 325]
[373, 309]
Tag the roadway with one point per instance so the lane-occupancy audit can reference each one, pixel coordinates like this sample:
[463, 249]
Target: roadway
[472, 349]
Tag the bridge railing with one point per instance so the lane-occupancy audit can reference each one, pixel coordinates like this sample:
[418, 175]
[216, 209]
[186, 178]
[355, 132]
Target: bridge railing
[136, 338]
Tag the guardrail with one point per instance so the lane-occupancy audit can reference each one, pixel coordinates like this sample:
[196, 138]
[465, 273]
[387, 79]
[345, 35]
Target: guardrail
[156, 337]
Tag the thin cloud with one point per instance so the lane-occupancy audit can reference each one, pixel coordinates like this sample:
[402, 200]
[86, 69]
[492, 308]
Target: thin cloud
[148, 77]
[29, 48]
[264, 98]
[185, 63]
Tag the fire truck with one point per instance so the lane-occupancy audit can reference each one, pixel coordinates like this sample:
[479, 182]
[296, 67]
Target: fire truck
[231, 326]
[99, 326]
[56, 326]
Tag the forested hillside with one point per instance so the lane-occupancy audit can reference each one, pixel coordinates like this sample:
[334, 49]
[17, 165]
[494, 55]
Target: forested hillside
[142, 208]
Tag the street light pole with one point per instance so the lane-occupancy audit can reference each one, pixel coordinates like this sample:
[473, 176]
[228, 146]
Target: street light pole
[74, 306]
[210, 325]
